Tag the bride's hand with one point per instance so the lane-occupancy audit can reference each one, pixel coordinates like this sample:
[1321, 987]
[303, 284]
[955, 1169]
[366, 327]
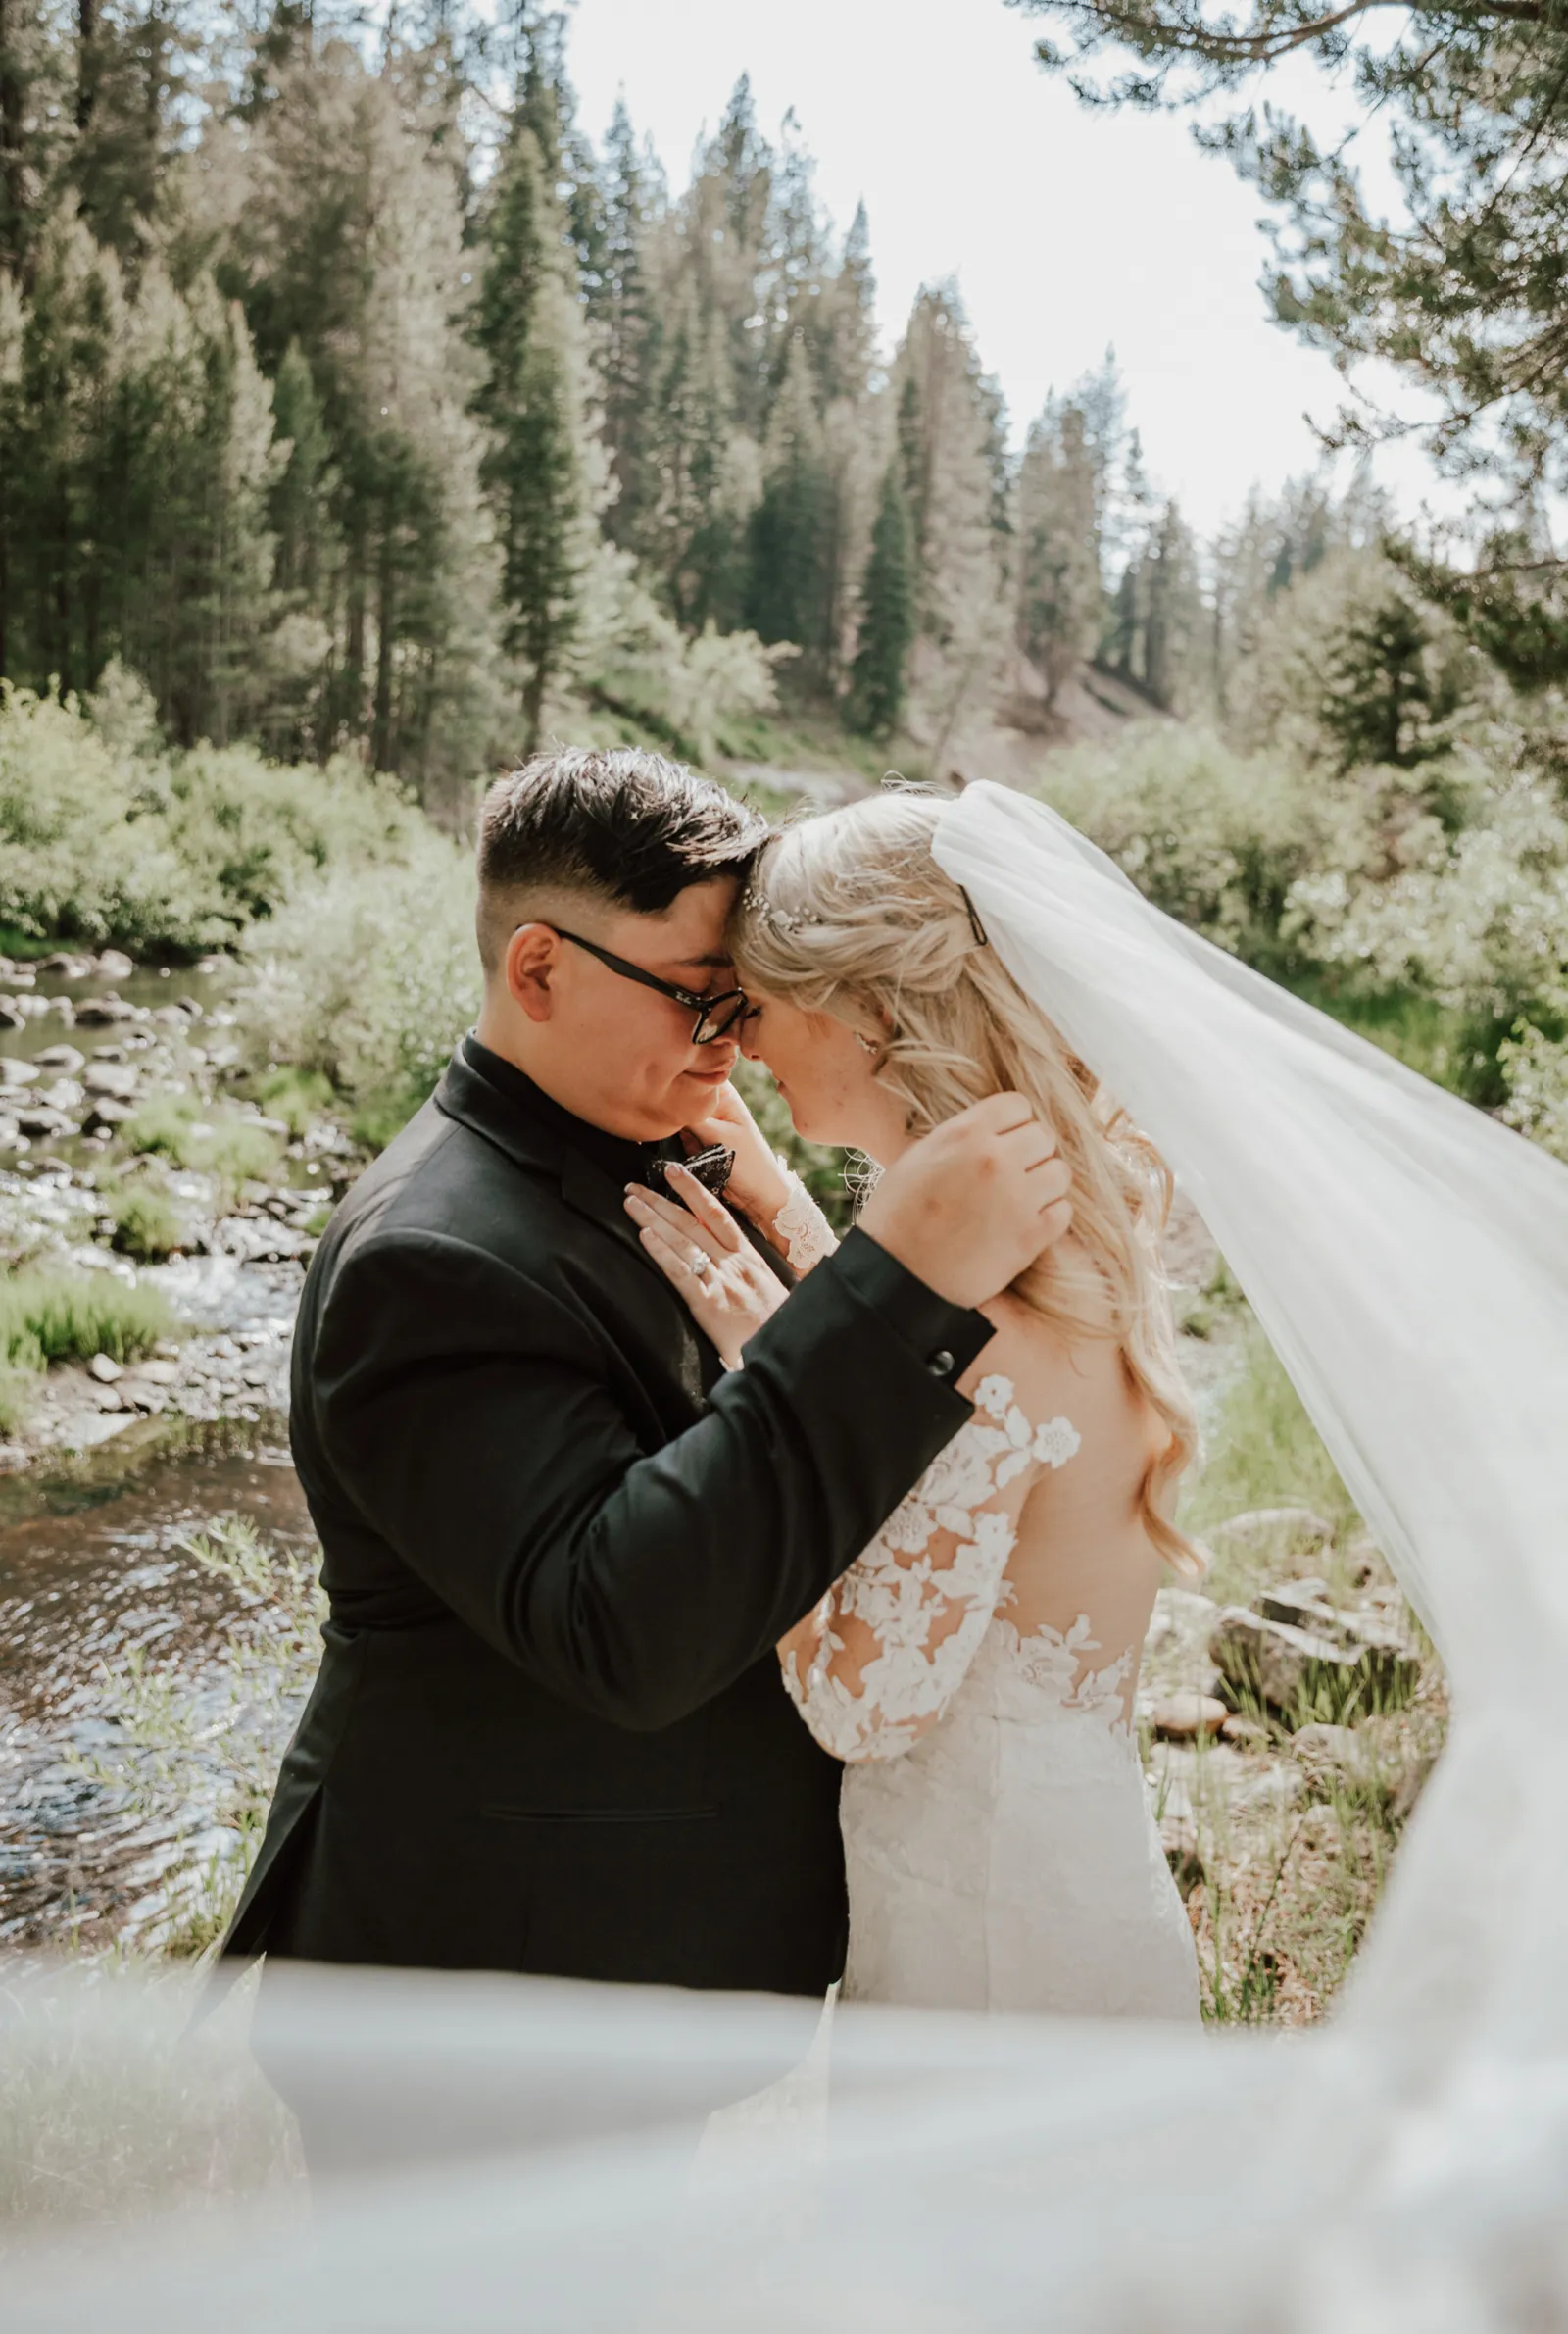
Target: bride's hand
[756, 1184]
[701, 1251]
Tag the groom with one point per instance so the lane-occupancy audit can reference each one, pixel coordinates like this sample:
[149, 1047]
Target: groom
[560, 1542]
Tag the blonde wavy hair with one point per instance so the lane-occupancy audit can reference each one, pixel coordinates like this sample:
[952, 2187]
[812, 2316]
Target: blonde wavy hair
[849, 913]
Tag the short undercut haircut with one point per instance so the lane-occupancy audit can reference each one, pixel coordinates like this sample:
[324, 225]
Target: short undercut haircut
[626, 828]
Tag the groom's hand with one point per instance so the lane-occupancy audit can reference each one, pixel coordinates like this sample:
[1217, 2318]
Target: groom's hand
[972, 1204]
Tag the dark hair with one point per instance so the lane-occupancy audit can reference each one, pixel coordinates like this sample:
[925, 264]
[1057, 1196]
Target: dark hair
[624, 826]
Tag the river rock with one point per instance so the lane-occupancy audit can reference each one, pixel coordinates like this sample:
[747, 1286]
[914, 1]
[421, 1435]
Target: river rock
[66, 966]
[63, 1058]
[10, 1132]
[107, 1117]
[42, 1124]
[100, 1012]
[1270, 1661]
[105, 1368]
[114, 964]
[61, 1094]
[1184, 1717]
[15, 1073]
[1324, 1751]
[12, 1015]
[117, 1080]
[1297, 1529]
[1361, 1666]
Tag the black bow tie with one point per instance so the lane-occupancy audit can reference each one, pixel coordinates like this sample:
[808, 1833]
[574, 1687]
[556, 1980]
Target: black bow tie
[711, 1168]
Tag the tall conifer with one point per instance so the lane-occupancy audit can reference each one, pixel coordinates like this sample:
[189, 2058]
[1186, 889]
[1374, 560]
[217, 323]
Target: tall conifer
[888, 613]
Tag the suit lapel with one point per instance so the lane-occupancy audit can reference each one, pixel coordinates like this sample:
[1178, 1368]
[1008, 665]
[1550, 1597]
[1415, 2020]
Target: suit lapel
[542, 1141]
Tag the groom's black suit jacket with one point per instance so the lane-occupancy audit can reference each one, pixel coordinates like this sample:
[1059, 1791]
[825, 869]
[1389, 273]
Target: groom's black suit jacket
[549, 1732]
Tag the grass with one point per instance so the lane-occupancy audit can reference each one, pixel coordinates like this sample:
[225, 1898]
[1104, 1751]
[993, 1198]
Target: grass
[1264, 1453]
[1285, 1838]
[231, 1149]
[301, 1097]
[211, 1744]
[49, 1315]
[1293, 1857]
[147, 1224]
[63, 1316]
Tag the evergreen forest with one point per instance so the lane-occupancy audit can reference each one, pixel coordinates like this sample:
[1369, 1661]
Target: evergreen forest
[359, 414]
[351, 398]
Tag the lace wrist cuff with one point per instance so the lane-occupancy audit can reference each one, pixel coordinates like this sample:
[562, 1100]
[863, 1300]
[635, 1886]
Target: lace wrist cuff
[801, 1227]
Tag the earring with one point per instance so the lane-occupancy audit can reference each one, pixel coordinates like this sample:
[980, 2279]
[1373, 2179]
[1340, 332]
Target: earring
[864, 1043]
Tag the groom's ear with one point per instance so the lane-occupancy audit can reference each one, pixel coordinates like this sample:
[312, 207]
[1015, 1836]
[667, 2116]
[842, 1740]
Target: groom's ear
[528, 968]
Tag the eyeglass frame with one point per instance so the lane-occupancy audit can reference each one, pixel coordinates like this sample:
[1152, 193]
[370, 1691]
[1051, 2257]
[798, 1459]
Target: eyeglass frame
[702, 1007]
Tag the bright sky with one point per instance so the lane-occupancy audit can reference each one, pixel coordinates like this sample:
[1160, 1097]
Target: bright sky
[1069, 232]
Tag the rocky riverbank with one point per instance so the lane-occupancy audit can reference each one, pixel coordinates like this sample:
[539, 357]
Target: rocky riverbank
[133, 1146]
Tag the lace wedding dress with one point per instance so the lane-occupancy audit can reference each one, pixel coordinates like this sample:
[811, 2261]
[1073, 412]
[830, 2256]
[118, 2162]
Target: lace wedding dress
[1001, 1853]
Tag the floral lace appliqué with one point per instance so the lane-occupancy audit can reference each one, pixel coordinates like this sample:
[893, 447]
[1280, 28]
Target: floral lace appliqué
[801, 1224]
[926, 1588]
[1055, 1663]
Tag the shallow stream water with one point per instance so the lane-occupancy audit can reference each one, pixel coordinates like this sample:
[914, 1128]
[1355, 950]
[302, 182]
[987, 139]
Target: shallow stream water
[92, 1575]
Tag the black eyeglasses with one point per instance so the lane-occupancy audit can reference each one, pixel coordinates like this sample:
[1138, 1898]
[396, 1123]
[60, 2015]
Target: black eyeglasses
[715, 1015]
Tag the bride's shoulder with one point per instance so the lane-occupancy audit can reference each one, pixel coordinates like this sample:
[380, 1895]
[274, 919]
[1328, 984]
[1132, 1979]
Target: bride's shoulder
[1037, 1362]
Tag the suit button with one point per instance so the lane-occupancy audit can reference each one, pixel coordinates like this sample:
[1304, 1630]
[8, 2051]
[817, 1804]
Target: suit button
[941, 1364]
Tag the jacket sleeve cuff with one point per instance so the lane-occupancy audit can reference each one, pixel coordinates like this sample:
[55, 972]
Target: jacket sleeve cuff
[945, 1337]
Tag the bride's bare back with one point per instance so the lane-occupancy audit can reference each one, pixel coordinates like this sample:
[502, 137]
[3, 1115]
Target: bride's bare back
[1033, 1517]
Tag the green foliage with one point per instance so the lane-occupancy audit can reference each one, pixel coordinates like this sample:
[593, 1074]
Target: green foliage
[1214, 837]
[367, 980]
[101, 840]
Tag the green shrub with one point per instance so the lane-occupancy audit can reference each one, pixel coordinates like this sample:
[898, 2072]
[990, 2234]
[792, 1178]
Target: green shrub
[366, 980]
[1214, 837]
[103, 836]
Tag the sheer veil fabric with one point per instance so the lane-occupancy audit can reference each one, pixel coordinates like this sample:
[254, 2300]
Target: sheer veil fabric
[1408, 1259]
[1404, 2167]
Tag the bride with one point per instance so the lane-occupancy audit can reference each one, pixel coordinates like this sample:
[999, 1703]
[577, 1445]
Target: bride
[975, 1668]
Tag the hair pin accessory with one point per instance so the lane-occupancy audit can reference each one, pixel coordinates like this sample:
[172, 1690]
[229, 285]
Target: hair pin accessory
[975, 926]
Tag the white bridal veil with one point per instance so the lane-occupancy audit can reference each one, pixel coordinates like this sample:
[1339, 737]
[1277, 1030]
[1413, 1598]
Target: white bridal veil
[1404, 2167]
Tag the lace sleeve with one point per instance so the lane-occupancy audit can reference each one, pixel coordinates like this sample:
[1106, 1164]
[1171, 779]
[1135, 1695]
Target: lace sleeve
[801, 1228]
[890, 1642]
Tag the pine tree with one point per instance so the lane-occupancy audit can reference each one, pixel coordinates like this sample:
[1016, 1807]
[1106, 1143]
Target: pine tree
[1060, 595]
[347, 239]
[537, 470]
[949, 431]
[624, 314]
[888, 613]
[790, 532]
